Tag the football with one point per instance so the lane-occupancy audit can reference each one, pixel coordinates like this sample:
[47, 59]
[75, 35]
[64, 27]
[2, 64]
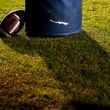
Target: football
[13, 22]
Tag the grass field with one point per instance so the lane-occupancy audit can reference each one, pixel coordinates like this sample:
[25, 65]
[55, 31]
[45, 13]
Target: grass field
[68, 73]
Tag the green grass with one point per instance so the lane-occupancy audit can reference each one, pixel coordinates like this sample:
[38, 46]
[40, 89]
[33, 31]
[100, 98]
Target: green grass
[55, 73]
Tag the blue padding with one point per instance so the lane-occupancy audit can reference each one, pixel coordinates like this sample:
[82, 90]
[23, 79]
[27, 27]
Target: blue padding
[53, 17]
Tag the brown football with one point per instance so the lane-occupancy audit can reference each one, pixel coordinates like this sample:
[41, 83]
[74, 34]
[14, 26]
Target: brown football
[13, 22]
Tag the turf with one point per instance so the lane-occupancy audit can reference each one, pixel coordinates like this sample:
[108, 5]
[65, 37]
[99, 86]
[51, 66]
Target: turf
[57, 73]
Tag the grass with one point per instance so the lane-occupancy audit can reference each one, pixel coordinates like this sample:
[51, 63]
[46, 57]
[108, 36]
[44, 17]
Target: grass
[57, 73]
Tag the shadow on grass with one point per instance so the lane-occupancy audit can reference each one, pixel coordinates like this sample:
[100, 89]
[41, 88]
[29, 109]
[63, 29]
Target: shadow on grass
[85, 106]
[77, 61]
[74, 106]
